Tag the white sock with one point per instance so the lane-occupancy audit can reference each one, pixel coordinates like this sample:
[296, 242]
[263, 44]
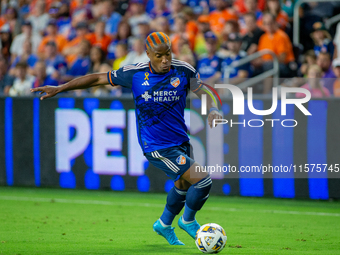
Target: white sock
[163, 225]
[187, 222]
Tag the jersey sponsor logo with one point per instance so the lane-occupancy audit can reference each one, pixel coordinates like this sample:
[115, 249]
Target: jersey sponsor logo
[114, 73]
[146, 96]
[145, 83]
[174, 81]
[165, 96]
[181, 160]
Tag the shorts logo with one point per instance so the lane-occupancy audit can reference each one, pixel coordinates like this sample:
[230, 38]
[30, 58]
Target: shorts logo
[175, 81]
[181, 160]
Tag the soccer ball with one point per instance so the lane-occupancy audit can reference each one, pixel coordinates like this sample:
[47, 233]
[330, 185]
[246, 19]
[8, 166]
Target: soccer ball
[211, 238]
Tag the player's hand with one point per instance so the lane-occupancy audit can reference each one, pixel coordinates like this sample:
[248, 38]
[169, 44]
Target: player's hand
[213, 115]
[50, 91]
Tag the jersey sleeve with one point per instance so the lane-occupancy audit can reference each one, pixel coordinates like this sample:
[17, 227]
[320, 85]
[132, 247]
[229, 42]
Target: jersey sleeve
[195, 81]
[120, 77]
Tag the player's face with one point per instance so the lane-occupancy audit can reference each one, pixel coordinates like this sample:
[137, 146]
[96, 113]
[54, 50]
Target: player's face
[160, 58]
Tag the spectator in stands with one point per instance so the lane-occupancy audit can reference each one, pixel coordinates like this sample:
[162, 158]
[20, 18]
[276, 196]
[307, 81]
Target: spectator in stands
[231, 26]
[98, 64]
[123, 36]
[41, 77]
[274, 7]
[79, 4]
[53, 12]
[176, 7]
[99, 38]
[56, 65]
[121, 52]
[5, 42]
[71, 30]
[209, 65]
[186, 55]
[309, 59]
[23, 9]
[112, 17]
[181, 35]
[203, 27]
[6, 80]
[160, 9]
[143, 30]
[221, 15]
[239, 5]
[322, 39]
[39, 18]
[97, 57]
[106, 90]
[13, 21]
[324, 62]
[18, 42]
[137, 15]
[314, 84]
[239, 73]
[52, 35]
[138, 54]
[81, 64]
[288, 7]
[253, 34]
[26, 57]
[23, 81]
[251, 7]
[191, 26]
[64, 20]
[72, 47]
[81, 12]
[161, 24]
[336, 70]
[278, 41]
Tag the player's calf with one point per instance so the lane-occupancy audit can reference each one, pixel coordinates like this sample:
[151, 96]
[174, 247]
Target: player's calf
[196, 196]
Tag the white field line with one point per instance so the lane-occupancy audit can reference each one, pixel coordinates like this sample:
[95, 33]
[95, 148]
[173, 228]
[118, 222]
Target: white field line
[99, 202]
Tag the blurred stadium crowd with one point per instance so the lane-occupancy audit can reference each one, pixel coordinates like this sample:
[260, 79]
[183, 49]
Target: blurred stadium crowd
[51, 42]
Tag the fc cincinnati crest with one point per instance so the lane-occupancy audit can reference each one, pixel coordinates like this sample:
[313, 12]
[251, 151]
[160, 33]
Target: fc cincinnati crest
[181, 160]
[175, 81]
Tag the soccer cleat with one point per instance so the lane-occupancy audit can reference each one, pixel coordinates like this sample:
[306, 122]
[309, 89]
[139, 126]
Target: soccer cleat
[190, 228]
[168, 233]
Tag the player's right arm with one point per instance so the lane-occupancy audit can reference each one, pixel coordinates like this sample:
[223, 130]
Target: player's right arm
[83, 82]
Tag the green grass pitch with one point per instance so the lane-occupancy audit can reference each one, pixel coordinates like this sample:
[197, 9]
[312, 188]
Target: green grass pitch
[53, 221]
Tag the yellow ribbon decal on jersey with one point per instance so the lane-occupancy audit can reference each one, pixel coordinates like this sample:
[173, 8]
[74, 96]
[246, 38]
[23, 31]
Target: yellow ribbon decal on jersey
[146, 76]
[210, 94]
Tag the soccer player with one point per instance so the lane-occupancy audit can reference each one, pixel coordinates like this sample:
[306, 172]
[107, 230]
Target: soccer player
[159, 88]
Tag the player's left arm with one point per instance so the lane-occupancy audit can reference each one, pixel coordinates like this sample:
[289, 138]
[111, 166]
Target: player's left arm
[199, 88]
[211, 103]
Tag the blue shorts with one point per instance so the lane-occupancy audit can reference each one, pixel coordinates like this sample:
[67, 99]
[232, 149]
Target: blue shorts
[174, 161]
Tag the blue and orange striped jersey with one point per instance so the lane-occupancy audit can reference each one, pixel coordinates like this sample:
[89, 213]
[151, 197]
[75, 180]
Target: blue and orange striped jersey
[160, 100]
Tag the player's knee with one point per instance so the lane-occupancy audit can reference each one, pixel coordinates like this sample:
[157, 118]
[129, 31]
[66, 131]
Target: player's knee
[182, 184]
[204, 183]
